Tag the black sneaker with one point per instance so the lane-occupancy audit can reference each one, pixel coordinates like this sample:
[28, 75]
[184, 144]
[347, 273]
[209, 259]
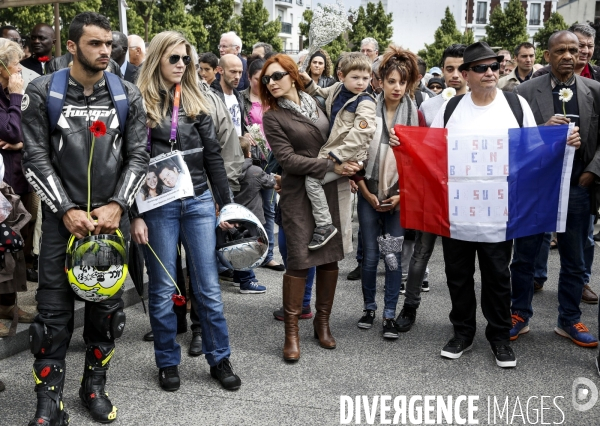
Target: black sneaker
[168, 378]
[505, 357]
[366, 321]
[389, 329]
[223, 372]
[425, 286]
[455, 348]
[226, 276]
[356, 274]
[402, 288]
[321, 236]
[406, 319]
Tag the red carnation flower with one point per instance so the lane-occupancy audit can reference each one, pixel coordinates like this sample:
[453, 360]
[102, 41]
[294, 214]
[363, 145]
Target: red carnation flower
[178, 300]
[98, 128]
[43, 58]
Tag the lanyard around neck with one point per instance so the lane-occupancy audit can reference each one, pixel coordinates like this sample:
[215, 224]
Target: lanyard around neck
[174, 120]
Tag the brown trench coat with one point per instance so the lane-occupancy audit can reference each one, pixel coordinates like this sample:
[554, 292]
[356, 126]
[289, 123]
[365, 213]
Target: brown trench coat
[296, 142]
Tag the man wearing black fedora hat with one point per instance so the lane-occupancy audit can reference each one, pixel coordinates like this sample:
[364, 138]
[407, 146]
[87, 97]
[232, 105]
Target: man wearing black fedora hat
[484, 108]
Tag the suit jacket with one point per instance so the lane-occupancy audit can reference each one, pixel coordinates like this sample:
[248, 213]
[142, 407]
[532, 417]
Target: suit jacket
[594, 70]
[131, 73]
[537, 92]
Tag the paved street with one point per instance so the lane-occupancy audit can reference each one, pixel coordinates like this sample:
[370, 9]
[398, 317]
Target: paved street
[308, 392]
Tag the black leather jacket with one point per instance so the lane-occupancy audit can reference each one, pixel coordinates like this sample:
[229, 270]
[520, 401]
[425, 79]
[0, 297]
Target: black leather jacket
[201, 152]
[56, 164]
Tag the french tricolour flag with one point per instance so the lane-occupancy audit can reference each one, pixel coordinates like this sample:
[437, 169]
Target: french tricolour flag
[488, 187]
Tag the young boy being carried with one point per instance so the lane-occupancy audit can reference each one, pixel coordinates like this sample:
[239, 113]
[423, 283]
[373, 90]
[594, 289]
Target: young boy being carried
[351, 113]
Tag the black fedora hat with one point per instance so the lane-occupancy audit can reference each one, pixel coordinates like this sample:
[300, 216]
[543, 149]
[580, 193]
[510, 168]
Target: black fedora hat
[478, 52]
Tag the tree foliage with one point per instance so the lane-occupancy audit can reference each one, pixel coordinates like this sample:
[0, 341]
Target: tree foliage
[372, 22]
[255, 26]
[218, 18]
[446, 35]
[553, 24]
[507, 28]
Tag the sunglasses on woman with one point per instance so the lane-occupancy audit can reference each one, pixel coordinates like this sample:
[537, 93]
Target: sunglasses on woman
[435, 87]
[276, 76]
[173, 59]
[480, 69]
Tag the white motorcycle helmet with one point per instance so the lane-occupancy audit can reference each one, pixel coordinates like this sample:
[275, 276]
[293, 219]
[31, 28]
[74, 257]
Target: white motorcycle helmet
[245, 246]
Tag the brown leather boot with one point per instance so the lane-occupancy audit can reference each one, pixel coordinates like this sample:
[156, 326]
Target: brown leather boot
[325, 283]
[293, 293]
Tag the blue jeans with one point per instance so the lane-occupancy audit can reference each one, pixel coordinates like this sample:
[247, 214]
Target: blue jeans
[373, 224]
[359, 249]
[310, 277]
[243, 277]
[571, 245]
[269, 203]
[540, 274]
[588, 251]
[193, 220]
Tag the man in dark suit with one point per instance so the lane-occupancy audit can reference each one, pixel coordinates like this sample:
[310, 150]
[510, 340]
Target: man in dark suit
[119, 53]
[562, 97]
[42, 39]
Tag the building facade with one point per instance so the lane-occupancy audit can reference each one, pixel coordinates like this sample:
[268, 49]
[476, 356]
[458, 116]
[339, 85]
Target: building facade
[415, 21]
[290, 12]
[579, 10]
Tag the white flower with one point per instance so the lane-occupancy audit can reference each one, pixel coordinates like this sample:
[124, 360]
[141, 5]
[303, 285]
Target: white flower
[328, 22]
[565, 95]
[448, 93]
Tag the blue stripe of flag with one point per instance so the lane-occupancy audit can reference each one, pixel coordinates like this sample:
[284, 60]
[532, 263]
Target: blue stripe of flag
[536, 157]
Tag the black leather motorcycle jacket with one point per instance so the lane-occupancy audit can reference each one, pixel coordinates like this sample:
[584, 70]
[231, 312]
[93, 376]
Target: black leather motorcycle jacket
[56, 164]
[197, 140]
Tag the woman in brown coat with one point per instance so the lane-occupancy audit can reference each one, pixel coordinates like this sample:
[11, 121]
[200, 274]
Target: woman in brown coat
[296, 129]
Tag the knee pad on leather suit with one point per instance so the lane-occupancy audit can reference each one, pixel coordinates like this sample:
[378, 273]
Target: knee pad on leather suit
[105, 321]
[49, 335]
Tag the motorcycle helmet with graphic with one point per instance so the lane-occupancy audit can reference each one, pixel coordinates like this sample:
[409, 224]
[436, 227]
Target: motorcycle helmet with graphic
[245, 246]
[96, 265]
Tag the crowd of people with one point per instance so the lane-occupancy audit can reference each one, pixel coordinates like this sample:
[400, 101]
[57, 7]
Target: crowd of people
[292, 147]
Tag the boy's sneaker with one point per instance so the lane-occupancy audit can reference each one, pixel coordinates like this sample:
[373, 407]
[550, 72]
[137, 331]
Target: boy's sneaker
[389, 329]
[505, 357]
[306, 313]
[252, 287]
[366, 321]
[519, 326]
[223, 372]
[455, 348]
[402, 288]
[321, 236]
[406, 319]
[578, 333]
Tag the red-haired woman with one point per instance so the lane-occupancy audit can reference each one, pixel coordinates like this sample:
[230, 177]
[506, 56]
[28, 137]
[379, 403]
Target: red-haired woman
[296, 129]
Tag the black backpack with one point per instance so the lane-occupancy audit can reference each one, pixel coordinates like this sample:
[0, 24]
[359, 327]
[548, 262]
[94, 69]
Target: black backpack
[511, 98]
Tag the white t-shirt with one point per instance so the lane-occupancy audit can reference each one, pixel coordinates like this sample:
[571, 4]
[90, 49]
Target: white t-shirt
[234, 110]
[495, 116]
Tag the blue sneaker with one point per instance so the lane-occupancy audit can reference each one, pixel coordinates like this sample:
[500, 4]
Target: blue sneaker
[252, 287]
[578, 333]
[519, 326]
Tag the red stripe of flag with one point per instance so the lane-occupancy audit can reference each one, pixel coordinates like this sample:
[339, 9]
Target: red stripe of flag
[422, 160]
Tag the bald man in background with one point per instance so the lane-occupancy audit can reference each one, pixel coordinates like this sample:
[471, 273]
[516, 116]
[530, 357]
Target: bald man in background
[137, 50]
[41, 41]
[231, 69]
